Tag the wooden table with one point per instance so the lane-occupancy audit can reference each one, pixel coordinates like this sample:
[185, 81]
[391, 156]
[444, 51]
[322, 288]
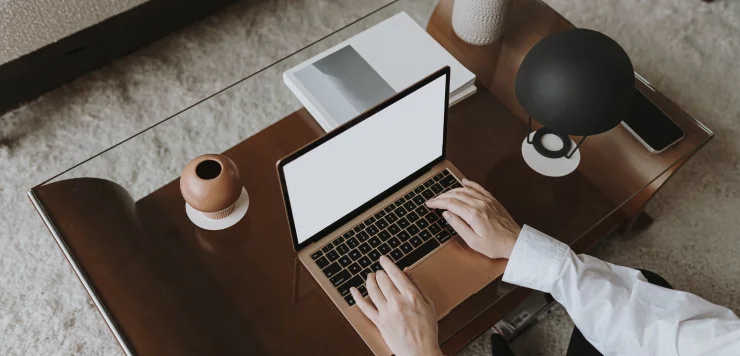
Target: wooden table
[166, 287]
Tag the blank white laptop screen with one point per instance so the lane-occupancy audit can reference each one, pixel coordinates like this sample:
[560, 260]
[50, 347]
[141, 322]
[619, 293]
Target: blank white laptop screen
[340, 175]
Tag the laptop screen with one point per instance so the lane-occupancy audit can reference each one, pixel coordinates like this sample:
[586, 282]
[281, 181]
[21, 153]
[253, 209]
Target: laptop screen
[341, 174]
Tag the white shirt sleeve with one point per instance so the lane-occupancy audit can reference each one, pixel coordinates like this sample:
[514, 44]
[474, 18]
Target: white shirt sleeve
[616, 309]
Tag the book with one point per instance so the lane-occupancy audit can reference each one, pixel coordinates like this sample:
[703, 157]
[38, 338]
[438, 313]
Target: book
[357, 74]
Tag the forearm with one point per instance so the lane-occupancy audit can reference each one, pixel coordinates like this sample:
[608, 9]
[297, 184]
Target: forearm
[615, 308]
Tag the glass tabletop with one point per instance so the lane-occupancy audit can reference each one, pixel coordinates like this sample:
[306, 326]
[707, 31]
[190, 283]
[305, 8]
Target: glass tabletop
[614, 180]
[156, 155]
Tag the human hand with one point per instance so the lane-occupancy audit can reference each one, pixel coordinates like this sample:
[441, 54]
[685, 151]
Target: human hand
[479, 218]
[400, 310]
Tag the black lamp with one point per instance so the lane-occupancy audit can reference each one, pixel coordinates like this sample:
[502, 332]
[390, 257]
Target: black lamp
[574, 82]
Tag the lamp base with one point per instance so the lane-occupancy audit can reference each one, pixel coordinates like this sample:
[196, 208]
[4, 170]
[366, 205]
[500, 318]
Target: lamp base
[551, 167]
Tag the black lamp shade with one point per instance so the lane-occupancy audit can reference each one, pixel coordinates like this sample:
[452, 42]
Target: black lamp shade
[576, 82]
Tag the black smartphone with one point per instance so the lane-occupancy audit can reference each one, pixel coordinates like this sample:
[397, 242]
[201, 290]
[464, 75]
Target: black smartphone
[650, 125]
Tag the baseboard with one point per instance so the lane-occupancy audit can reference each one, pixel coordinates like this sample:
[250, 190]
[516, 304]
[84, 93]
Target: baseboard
[31, 75]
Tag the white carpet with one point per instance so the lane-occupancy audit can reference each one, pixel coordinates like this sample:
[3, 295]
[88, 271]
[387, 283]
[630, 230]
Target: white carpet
[686, 48]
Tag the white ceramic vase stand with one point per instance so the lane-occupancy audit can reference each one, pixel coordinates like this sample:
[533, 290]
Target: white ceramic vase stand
[479, 22]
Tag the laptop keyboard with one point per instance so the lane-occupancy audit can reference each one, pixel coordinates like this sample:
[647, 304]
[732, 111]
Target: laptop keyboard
[405, 230]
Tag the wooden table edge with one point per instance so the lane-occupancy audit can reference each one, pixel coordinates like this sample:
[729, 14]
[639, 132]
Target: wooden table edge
[79, 272]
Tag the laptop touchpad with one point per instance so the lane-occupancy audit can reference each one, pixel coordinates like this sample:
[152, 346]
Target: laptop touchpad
[449, 277]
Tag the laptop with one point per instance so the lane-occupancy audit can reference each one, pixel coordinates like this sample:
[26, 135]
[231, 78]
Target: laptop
[359, 192]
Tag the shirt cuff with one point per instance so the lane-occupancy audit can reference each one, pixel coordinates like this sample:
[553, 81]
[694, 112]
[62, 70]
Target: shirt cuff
[535, 261]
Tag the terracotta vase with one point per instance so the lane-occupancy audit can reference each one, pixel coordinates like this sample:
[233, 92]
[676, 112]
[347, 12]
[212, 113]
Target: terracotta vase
[211, 185]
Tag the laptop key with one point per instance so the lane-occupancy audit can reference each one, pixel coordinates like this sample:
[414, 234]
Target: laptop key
[362, 290]
[425, 235]
[439, 176]
[352, 243]
[369, 221]
[338, 240]
[448, 181]
[412, 216]
[409, 195]
[393, 243]
[327, 248]
[374, 255]
[349, 234]
[342, 249]
[396, 254]
[389, 208]
[446, 172]
[350, 301]
[365, 272]
[344, 261]
[419, 199]
[403, 223]
[422, 224]
[381, 224]
[379, 214]
[428, 194]
[391, 218]
[451, 230]
[340, 278]
[437, 188]
[375, 267]
[432, 217]
[416, 255]
[400, 201]
[332, 269]
[364, 248]
[355, 255]
[355, 281]
[443, 236]
[400, 211]
[421, 210]
[384, 249]
[443, 223]
[413, 230]
[359, 227]
[429, 183]
[406, 247]
[365, 261]
[332, 255]
[409, 205]
[403, 235]
[322, 262]
[316, 255]
[416, 241]
[363, 236]
[374, 242]
[384, 235]
[434, 229]
[372, 230]
[394, 229]
[354, 268]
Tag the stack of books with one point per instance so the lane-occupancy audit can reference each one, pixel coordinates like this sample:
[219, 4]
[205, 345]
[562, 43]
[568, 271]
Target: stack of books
[355, 75]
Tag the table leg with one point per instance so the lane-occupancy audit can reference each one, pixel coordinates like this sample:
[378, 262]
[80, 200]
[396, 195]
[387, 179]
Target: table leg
[296, 271]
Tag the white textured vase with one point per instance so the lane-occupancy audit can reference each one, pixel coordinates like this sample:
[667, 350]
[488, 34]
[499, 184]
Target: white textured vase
[479, 22]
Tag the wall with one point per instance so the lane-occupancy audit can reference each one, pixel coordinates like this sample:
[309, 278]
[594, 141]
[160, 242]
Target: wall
[27, 25]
